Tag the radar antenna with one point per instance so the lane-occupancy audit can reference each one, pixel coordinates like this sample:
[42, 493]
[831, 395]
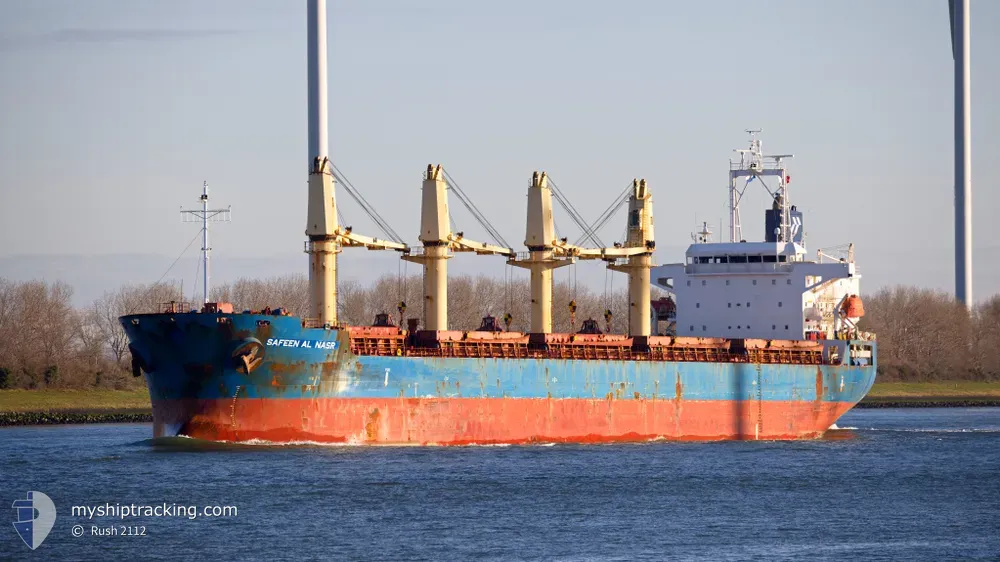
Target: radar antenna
[755, 165]
[704, 236]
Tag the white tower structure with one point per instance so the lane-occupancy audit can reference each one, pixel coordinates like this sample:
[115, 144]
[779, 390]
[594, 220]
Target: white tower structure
[959, 14]
[325, 236]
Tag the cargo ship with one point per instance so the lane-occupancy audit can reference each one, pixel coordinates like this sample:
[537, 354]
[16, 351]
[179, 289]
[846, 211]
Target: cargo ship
[765, 343]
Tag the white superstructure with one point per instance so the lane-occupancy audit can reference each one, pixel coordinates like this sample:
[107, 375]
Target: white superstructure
[769, 289]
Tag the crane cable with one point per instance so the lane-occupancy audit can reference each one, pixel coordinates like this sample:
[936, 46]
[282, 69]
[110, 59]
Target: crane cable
[367, 207]
[622, 198]
[561, 198]
[476, 213]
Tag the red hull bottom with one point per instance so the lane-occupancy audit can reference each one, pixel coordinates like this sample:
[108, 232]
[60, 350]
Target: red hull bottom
[463, 421]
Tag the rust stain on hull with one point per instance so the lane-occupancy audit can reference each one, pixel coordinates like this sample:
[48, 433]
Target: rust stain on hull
[484, 421]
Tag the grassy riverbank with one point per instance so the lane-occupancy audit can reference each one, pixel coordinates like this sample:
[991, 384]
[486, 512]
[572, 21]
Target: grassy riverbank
[932, 394]
[73, 400]
[935, 389]
[46, 407]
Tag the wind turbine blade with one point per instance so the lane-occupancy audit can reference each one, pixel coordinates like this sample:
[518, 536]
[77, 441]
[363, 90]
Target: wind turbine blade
[951, 23]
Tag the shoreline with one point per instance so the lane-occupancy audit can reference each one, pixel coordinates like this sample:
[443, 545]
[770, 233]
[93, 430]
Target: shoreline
[145, 415]
[869, 402]
[73, 417]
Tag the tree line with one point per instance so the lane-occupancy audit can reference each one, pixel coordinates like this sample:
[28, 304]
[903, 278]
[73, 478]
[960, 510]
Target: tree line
[45, 342]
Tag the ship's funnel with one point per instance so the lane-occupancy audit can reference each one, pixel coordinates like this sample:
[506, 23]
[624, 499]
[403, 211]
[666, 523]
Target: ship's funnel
[773, 222]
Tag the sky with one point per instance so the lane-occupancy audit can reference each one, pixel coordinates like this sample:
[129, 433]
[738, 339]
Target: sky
[113, 113]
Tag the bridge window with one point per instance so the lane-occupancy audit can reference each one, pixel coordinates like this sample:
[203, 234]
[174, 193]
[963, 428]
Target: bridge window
[754, 259]
[770, 259]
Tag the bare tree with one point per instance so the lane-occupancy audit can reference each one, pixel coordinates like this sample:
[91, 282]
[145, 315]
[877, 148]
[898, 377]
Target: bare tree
[128, 299]
[987, 339]
[922, 334]
[290, 292]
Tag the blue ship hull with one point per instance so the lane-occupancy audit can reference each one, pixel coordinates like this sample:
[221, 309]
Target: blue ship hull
[305, 384]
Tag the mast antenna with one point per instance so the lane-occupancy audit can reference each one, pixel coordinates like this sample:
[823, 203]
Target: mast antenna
[206, 215]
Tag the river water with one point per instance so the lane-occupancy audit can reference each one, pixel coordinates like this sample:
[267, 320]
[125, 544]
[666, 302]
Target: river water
[895, 484]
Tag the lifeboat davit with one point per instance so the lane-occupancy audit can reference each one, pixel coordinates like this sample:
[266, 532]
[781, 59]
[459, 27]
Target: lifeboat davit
[853, 307]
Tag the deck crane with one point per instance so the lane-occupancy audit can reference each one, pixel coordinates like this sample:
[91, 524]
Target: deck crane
[440, 242]
[327, 238]
[546, 252]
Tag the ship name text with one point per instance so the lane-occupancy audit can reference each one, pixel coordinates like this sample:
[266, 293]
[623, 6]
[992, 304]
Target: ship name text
[305, 344]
